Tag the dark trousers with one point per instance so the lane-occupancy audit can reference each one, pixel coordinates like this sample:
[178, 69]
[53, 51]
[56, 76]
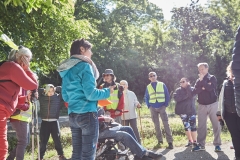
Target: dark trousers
[46, 129]
[233, 123]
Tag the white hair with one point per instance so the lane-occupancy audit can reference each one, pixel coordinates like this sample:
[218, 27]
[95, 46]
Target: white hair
[16, 54]
[124, 81]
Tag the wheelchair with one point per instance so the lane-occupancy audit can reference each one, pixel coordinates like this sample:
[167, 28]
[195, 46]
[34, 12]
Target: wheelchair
[106, 150]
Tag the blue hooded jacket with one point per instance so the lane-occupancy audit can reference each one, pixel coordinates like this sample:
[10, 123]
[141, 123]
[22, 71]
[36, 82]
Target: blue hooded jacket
[79, 86]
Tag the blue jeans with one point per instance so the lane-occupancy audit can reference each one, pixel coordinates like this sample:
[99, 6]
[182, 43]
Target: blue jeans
[125, 135]
[84, 129]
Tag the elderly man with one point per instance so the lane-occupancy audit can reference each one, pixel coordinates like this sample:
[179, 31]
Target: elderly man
[157, 99]
[130, 105]
[205, 87]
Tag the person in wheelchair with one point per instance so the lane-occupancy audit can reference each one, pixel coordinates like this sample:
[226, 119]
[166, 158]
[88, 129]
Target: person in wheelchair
[108, 129]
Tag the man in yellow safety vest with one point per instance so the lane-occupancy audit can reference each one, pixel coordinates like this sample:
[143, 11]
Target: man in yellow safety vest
[157, 99]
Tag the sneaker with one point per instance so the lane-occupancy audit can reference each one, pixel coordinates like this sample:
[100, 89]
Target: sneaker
[198, 148]
[170, 145]
[218, 149]
[153, 155]
[189, 144]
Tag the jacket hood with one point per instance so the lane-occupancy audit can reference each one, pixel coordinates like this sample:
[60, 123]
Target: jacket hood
[67, 64]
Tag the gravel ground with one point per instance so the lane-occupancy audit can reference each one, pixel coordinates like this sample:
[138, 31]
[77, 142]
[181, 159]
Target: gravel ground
[183, 153]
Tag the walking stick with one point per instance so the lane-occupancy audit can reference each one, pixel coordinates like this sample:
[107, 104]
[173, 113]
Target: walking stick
[139, 115]
[124, 119]
[33, 133]
[35, 130]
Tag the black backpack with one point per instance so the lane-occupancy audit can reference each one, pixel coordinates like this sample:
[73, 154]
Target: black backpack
[0, 66]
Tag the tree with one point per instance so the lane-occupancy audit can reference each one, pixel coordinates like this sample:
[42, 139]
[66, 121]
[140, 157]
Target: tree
[49, 36]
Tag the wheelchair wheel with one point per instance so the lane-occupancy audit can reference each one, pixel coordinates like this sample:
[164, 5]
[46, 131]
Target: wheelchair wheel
[112, 155]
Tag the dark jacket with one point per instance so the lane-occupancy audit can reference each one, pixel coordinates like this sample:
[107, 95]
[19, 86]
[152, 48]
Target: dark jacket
[50, 106]
[236, 69]
[226, 99]
[208, 95]
[185, 102]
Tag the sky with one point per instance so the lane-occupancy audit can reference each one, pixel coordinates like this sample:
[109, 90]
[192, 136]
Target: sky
[167, 5]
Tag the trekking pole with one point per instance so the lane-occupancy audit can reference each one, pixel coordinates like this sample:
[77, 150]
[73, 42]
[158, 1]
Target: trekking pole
[139, 115]
[32, 133]
[37, 131]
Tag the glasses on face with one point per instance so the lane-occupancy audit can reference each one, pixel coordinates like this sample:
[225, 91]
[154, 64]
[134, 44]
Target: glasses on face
[182, 82]
[106, 75]
[152, 76]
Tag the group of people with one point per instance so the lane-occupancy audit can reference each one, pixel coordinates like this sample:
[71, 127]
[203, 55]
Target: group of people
[79, 74]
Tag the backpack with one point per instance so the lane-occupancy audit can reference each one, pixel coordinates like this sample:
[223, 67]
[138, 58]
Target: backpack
[3, 79]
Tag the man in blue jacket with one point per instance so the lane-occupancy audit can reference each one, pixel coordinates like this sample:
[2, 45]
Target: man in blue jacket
[79, 74]
[157, 99]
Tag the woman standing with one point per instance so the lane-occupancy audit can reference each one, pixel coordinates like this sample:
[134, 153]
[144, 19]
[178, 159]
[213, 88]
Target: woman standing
[79, 74]
[20, 123]
[185, 107]
[14, 75]
[227, 110]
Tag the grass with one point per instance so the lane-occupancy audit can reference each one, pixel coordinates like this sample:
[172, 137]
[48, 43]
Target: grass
[147, 132]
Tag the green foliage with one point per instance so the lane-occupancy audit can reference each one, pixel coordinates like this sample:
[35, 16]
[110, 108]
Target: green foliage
[131, 37]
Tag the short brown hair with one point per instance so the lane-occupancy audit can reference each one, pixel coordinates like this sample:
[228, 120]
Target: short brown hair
[75, 47]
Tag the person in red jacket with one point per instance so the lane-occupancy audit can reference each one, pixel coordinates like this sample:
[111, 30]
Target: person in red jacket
[117, 98]
[15, 74]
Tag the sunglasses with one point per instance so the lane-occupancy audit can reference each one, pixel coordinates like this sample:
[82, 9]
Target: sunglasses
[182, 82]
[152, 76]
[105, 75]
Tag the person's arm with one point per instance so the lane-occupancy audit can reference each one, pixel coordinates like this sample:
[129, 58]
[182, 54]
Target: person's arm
[167, 96]
[135, 100]
[197, 87]
[64, 93]
[25, 79]
[178, 96]
[146, 98]
[23, 107]
[89, 88]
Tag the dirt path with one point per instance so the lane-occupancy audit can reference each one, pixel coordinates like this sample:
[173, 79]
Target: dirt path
[183, 153]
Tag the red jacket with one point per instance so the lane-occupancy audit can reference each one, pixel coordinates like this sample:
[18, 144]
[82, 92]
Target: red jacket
[10, 90]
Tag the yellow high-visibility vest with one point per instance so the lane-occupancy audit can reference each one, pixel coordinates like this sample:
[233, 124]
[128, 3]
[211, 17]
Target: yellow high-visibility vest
[24, 115]
[114, 99]
[157, 95]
